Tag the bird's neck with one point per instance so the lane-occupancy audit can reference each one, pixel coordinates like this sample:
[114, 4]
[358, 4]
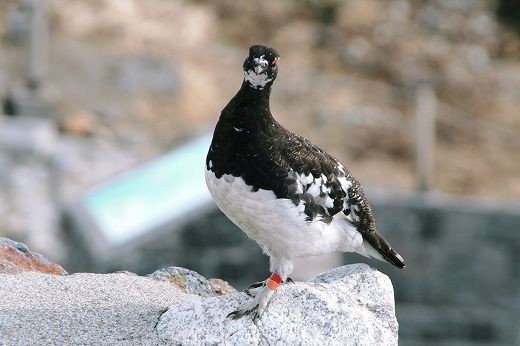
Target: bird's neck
[250, 107]
[249, 98]
[253, 94]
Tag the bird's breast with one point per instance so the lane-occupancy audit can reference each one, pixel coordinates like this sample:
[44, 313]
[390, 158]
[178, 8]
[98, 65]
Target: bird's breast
[276, 224]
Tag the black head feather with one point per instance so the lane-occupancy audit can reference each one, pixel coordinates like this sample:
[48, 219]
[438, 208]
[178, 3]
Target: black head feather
[261, 65]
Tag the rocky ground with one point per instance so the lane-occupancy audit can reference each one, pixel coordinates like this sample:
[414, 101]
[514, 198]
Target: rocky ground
[350, 305]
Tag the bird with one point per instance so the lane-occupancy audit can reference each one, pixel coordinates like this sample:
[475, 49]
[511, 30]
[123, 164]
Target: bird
[287, 194]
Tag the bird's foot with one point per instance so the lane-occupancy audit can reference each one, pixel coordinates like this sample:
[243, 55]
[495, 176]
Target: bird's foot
[263, 291]
[249, 309]
[256, 307]
[253, 290]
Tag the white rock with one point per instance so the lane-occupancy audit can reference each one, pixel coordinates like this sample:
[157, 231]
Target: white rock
[82, 309]
[350, 305]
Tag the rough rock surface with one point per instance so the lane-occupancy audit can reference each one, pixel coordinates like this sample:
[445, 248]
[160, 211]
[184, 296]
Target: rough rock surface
[191, 282]
[82, 309]
[350, 305]
[16, 257]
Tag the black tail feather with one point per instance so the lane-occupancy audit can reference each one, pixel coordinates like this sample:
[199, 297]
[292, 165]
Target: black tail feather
[383, 247]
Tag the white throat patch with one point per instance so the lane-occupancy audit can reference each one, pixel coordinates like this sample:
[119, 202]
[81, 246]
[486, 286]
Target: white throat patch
[257, 77]
[257, 81]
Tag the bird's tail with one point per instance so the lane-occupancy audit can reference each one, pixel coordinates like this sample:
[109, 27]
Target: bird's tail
[374, 245]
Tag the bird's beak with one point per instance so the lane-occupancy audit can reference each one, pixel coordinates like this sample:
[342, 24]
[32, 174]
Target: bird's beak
[259, 69]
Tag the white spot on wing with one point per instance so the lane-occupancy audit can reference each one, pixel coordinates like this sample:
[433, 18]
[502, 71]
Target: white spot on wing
[314, 190]
[345, 184]
[324, 178]
[299, 187]
[305, 179]
[329, 202]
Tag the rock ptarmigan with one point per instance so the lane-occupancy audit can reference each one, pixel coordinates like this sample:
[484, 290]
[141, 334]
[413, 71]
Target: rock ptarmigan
[290, 196]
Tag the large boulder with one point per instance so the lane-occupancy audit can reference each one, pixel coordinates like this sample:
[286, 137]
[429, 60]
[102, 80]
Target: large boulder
[350, 305]
[83, 309]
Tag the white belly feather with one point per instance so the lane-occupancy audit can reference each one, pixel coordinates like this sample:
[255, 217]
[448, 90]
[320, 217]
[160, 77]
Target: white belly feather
[277, 224]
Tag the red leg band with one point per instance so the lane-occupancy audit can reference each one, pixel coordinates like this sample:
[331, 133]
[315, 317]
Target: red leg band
[274, 281]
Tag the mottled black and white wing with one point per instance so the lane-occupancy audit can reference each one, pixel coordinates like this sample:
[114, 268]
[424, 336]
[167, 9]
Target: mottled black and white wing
[326, 188]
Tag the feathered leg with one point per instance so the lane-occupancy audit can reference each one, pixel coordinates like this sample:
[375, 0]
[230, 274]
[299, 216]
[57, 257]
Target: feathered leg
[263, 291]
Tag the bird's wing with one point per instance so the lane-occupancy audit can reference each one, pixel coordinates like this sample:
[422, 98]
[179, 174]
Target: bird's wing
[315, 179]
[326, 188]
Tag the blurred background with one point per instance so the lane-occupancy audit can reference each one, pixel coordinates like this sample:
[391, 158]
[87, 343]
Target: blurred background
[107, 107]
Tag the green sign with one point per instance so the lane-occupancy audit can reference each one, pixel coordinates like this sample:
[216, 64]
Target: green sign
[156, 193]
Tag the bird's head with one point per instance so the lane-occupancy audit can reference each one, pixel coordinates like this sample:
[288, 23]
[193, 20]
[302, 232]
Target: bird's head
[261, 66]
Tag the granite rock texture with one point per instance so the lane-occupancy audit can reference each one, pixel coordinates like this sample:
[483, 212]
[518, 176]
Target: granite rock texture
[16, 257]
[350, 305]
[192, 282]
[82, 309]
